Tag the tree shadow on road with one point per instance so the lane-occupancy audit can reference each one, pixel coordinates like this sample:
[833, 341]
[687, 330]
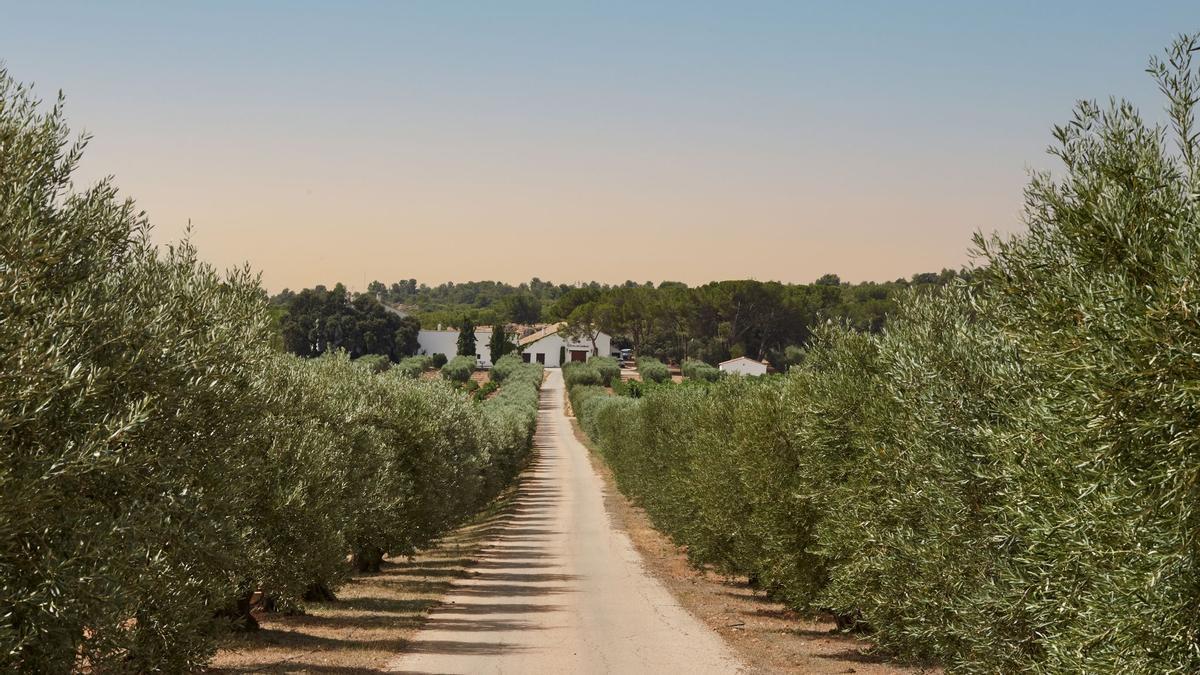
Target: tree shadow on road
[376, 616]
[495, 568]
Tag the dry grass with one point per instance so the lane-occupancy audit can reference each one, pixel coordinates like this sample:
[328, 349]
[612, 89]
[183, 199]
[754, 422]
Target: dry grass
[374, 619]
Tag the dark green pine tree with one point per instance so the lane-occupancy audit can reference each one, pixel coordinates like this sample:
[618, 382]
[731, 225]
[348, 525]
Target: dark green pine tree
[499, 344]
[466, 338]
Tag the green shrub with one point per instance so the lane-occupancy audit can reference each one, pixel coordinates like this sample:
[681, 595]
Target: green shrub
[376, 363]
[581, 394]
[1099, 301]
[438, 361]
[483, 392]
[608, 368]
[601, 370]
[748, 472]
[580, 374]
[699, 370]
[508, 364]
[652, 370]
[630, 388]
[129, 400]
[601, 415]
[413, 366]
[511, 417]
[459, 368]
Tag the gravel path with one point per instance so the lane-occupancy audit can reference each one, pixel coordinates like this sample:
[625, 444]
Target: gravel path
[560, 589]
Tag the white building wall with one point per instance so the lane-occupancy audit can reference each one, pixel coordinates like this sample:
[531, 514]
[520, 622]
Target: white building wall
[438, 342]
[549, 347]
[446, 342]
[552, 347]
[744, 366]
[603, 345]
[483, 353]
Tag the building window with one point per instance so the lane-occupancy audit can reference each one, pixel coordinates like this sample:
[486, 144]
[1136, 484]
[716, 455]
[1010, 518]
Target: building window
[541, 358]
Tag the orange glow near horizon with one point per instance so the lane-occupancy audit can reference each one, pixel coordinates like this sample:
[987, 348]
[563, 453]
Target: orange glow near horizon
[310, 217]
[573, 142]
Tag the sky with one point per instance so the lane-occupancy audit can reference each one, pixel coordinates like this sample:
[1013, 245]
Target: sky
[570, 141]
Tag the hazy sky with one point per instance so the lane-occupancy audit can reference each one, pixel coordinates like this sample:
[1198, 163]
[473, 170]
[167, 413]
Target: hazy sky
[575, 141]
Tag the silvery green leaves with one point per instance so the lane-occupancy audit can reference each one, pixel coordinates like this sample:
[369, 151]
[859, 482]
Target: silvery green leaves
[652, 370]
[127, 406]
[160, 462]
[1006, 478]
[1099, 301]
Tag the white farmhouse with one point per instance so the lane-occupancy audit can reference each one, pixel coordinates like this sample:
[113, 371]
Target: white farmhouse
[743, 365]
[551, 347]
[446, 342]
[547, 345]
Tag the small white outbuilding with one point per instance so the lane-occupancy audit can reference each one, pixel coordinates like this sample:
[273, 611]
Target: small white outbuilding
[743, 365]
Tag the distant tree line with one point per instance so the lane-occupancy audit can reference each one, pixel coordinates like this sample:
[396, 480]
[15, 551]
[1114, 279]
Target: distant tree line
[320, 320]
[669, 321]
[486, 302]
[724, 319]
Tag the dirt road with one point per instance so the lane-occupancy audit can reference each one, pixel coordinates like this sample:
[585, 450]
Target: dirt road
[559, 590]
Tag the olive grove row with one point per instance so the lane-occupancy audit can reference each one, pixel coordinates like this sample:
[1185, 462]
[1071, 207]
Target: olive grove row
[1006, 478]
[160, 464]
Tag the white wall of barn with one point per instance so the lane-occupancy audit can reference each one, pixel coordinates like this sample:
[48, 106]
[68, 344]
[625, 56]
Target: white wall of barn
[744, 366]
[446, 342]
[552, 347]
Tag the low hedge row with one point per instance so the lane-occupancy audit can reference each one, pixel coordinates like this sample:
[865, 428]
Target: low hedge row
[459, 368]
[699, 370]
[652, 370]
[508, 364]
[511, 416]
[580, 374]
[413, 366]
[608, 368]
[598, 370]
[376, 363]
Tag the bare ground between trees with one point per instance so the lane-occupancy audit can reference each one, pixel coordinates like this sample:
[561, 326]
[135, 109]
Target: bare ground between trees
[374, 618]
[769, 637]
[377, 616]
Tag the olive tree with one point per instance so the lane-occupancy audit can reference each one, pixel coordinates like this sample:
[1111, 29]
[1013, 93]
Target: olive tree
[127, 411]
